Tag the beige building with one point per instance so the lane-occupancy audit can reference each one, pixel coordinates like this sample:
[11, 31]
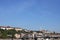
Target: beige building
[7, 28]
[17, 35]
[18, 29]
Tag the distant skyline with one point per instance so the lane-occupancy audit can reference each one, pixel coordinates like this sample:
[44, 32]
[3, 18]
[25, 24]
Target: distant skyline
[31, 14]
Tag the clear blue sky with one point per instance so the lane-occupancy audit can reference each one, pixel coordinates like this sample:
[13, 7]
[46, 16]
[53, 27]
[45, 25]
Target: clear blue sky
[31, 14]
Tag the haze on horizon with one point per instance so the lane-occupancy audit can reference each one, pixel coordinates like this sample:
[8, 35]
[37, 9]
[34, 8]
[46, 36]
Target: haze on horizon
[31, 14]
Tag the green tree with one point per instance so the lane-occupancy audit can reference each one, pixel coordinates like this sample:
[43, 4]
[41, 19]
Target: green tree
[4, 34]
[11, 32]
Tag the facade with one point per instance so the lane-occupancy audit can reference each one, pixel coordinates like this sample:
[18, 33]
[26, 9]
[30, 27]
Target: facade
[17, 35]
[2, 27]
[9, 28]
[6, 27]
[18, 29]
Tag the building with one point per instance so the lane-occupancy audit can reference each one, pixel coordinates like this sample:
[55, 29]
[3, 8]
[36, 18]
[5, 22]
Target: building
[18, 29]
